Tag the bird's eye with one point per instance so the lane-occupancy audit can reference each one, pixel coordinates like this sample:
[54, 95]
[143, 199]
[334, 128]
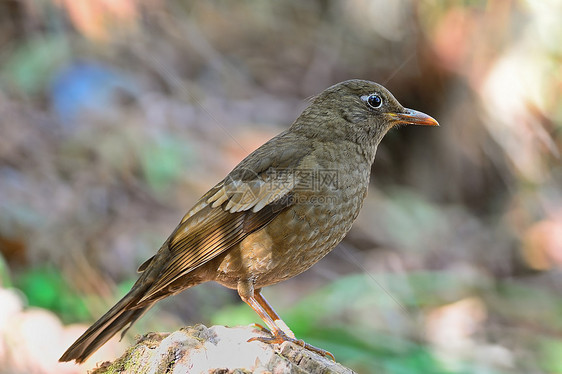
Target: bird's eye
[372, 100]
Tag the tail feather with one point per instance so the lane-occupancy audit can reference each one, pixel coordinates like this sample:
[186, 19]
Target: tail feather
[120, 315]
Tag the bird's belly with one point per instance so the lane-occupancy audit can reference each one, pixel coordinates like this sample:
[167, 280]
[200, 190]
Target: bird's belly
[293, 242]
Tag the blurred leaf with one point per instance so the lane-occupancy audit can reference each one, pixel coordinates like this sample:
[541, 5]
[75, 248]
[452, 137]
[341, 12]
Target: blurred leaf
[163, 162]
[5, 280]
[44, 287]
[550, 353]
[31, 65]
[124, 287]
[235, 315]
[388, 353]
[521, 302]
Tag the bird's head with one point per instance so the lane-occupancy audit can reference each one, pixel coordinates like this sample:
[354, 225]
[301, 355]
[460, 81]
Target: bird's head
[358, 110]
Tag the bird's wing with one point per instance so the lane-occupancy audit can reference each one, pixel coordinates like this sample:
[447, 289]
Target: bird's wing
[253, 194]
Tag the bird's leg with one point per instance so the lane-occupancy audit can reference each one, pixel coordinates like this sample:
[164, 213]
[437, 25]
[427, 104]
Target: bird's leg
[279, 335]
[271, 312]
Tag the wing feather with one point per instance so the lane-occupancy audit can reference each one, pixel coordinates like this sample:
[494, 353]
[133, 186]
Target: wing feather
[251, 196]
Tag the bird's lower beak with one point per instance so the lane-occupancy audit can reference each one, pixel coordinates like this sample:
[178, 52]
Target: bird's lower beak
[412, 117]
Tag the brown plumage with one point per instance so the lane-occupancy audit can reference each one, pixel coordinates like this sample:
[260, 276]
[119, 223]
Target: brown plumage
[278, 212]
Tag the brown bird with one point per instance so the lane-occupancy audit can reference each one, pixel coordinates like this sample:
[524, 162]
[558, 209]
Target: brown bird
[277, 213]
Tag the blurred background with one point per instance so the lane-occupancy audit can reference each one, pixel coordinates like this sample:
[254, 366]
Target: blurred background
[117, 115]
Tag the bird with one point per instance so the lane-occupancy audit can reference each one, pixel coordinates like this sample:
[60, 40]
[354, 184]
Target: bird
[278, 212]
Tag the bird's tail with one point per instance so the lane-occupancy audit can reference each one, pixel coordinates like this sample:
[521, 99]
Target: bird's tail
[120, 315]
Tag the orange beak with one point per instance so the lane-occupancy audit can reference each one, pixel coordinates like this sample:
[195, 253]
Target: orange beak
[412, 117]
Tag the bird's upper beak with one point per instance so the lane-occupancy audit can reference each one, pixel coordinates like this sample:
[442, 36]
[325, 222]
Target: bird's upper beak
[412, 117]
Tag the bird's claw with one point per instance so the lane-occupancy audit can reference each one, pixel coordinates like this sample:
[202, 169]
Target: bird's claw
[280, 337]
[259, 327]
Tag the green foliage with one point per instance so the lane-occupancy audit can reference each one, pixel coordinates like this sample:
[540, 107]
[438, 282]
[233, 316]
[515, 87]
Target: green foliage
[163, 162]
[235, 315]
[45, 287]
[549, 351]
[5, 280]
[526, 303]
[32, 63]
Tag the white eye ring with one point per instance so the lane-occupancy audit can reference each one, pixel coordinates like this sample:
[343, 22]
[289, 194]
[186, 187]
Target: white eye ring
[373, 100]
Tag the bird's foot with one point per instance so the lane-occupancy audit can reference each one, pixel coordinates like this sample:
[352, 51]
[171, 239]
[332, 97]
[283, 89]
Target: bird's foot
[280, 337]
